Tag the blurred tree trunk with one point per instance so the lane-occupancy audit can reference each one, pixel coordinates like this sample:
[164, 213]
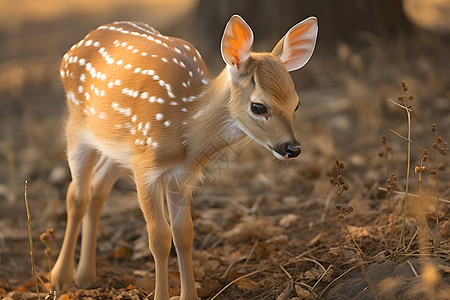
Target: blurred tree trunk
[351, 21]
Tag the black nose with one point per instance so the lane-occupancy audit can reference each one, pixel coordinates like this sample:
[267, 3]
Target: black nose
[293, 149]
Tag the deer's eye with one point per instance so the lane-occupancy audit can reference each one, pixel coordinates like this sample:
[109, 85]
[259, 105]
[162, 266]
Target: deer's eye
[258, 109]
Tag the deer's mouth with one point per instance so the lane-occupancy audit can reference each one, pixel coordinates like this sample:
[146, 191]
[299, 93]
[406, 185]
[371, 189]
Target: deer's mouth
[278, 155]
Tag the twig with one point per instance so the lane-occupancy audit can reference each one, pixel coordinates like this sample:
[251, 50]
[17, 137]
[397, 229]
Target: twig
[366, 276]
[404, 107]
[236, 280]
[398, 134]
[31, 240]
[336, 279]
[412, 268]
[321, 277]
[412, 195]
[408, 113]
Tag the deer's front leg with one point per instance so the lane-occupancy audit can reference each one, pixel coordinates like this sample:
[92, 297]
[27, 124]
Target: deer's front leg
[151, 199]
[179, 204]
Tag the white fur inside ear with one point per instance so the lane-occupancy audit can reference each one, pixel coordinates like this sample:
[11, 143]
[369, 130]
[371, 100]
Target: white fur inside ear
[299, 43]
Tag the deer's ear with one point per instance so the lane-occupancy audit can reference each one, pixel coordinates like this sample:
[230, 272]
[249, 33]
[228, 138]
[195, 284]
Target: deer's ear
[236, 43]
[297, 46]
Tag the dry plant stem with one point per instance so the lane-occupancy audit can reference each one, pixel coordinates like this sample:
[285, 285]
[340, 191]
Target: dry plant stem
[420, 198]
[31, 240]
[236, 280]
[402, 234]
[413, 195]
[345, 224]
[393, 218]
[436, 178]
[348, 230]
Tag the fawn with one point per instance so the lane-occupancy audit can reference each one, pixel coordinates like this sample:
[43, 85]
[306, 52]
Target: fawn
[144, 102]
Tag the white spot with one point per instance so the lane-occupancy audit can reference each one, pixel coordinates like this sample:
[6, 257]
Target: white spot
[110, 84]
[101, 50]
[144, 54]
[198, 114]
[154, 144]
[139, 126]
[119, 62]
[96, 44]
[151, 73]
[144, 72]
[177, 50]
[164, 59]
[82, 61]
[80, 89]
[173, 103]
[120, 110]
[184, 84]
[83, 77]
[186, 47]
[167, 123]
[92, 110]
[205, 81]
[159, 116]
[134, 118]
[184, 109]
[129, 47]
[144, 95]
[137, 70]
[184, 123]
[117, 82]
[146, 128]
[127, 66]
[155, 77]
[135, 50]
[88, 43]
[149, 140]
[87, 96]
[160, 100]
[152, 99]
[191, 74]
[102, 115]
[103, 77]
[62, 74]
[123, 44]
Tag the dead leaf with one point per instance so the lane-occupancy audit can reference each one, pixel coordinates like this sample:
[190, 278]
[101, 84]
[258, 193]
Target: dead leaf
[288, 220]
[207, 287]
[247, 284]
[315, 240]
[263, 251]
[301, 292]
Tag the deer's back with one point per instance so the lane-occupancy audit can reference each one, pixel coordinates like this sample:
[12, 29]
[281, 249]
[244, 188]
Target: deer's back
[128, 83]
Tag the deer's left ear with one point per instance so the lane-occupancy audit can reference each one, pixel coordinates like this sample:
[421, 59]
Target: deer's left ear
[236, 43]
[297, 46]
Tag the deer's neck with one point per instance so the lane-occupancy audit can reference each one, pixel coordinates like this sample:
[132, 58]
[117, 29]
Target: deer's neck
[211, 126]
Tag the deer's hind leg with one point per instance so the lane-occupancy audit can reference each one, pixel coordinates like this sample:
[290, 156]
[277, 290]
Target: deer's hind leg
[104, 175]
[81, 159]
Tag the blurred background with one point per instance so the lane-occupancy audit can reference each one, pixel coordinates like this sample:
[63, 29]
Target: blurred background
[365, 48]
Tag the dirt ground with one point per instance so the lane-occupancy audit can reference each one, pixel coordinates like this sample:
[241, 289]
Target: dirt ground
[263, 229]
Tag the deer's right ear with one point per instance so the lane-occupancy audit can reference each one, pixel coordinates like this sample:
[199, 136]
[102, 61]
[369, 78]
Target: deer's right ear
[236, 43]
[297, 46]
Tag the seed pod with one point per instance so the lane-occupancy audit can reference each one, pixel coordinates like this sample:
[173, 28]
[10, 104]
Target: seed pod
[433, 127]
